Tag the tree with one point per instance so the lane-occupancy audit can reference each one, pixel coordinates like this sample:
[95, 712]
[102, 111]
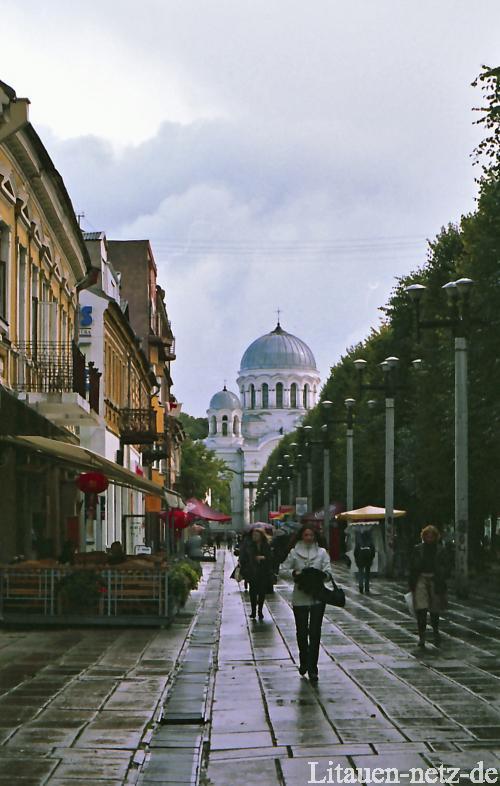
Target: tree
[196, 428]
[202, 471]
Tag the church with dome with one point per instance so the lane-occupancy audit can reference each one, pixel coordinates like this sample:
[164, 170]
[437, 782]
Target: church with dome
[277, 382]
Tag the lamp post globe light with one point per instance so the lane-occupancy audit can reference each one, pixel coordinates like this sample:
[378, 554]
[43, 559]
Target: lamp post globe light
[458, 295]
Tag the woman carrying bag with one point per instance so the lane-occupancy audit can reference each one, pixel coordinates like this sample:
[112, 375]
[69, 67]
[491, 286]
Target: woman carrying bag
[307, 609]
[256, 568]
[427, 582]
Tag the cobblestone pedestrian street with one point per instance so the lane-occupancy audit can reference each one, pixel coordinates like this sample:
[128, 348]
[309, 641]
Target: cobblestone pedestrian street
[82, 706]
[378, 702]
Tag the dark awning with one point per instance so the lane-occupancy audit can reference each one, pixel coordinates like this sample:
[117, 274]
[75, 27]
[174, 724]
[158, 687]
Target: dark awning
[85, 459]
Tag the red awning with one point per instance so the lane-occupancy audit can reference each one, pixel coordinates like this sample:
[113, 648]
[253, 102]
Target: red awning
[196, 509]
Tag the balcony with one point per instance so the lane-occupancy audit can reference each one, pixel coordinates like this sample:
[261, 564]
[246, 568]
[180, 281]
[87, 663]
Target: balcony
[166, 345]
[138, 426]
[53, 378]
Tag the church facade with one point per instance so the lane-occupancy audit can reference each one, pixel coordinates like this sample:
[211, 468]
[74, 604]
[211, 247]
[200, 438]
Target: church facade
[277, 382]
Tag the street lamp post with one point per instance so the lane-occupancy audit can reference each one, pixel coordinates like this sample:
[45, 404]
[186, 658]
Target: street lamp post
[389, 366]
[458, 293]
[309, 471]
[350, 402]
[327, 405]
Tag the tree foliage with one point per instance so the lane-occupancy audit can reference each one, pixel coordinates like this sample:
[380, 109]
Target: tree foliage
[202, 471]
[424, 481]
[196, 428]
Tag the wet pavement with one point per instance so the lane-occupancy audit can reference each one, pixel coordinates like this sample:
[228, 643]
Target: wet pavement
[379, 702]
[82, 706]
[79, 705]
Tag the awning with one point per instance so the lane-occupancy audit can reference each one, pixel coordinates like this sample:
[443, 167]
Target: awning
[200, 510]
[174, 500]
[368, 513]
[85, 459]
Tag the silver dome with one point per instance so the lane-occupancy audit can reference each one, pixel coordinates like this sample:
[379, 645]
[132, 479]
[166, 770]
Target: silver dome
[278, 349]
[225, 399]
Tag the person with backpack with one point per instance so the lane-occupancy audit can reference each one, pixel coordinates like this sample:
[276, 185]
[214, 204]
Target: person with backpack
[364, 554]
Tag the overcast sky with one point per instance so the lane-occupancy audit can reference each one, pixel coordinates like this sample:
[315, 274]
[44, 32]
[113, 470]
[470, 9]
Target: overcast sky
[278, 153]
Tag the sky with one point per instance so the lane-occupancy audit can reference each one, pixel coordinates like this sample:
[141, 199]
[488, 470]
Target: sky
[277, 153]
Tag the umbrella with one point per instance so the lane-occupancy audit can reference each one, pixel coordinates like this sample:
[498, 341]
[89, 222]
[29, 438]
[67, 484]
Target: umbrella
[368, 513]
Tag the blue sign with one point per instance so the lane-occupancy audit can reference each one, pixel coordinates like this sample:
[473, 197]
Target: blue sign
[85, 316]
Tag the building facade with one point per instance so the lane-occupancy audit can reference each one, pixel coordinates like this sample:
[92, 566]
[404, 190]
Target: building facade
[46, 388]
[278, 382]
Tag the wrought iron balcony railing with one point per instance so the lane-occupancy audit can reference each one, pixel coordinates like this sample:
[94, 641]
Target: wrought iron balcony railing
[56, 367]
[138, 426]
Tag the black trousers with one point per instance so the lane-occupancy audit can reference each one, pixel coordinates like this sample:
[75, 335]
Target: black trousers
[257, 597]
[422, 622]
[308, 621]
[364, 577]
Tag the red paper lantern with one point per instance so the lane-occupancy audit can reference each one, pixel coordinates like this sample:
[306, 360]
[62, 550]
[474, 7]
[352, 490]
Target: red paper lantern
[92, 482]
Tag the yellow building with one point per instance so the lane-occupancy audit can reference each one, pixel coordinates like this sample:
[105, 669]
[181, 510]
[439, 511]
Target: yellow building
[49, 393]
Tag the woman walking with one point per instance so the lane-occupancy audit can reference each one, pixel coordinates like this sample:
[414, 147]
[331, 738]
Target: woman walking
[308, 612]
[427, 581]
[256, 569]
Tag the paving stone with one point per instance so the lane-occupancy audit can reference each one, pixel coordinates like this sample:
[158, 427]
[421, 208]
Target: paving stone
[250, 773]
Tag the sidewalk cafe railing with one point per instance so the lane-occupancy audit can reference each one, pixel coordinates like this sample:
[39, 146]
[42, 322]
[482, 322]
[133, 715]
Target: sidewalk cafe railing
[125, 596]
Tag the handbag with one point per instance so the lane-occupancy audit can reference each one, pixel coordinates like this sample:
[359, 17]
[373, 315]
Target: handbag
[410, 604]
[236, 574]
[338, 596]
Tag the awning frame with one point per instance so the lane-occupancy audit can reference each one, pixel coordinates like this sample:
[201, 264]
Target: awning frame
[81, 458]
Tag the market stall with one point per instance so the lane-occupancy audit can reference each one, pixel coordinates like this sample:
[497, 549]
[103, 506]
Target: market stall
[367, 519]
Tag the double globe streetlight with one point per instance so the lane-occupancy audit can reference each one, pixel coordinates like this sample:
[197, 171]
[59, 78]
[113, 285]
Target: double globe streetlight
[459, 322]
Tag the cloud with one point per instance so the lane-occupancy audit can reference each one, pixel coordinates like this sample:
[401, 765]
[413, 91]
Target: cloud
[285, 154]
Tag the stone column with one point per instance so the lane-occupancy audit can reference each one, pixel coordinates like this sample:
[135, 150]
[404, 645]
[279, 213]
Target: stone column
[286, 397]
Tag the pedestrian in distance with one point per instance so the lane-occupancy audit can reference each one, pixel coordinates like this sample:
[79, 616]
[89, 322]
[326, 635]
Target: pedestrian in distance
[308, 612]
[229, 541]
[427, 582]
[256, 569]
[364, 554]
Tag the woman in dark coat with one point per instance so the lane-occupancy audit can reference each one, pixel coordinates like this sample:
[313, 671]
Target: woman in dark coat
[427, 581]
[256, 568]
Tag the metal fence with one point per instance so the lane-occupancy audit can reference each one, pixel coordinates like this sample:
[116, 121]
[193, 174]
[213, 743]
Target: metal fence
[123, 597]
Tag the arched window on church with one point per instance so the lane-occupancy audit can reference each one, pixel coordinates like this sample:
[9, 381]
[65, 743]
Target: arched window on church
[265, 396]
[236, 426]
[252, 396]
[293, 395]
[224, 425]
[279, 395]
[213, 425]
[305, 396]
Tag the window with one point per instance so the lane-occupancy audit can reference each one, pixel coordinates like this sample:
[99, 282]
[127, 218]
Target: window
[3, 289]
[236, 426]
[34, 307]
[252, 396]
[213, 425]
[4, 256]
[224, 425]
[305, 395]
[279, 395]
[293, 396]
[265, 396]
[21, 296]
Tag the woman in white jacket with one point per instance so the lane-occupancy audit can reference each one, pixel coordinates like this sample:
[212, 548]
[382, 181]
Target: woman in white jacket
[308, 612]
